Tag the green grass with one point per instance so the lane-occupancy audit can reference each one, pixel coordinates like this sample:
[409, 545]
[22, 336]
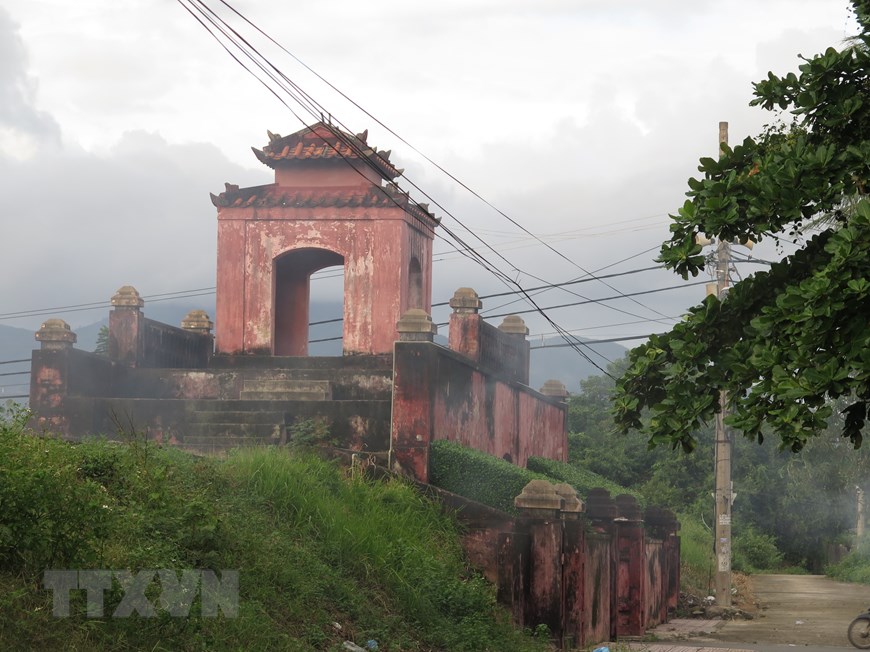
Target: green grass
[477, 475]
[697, 563]
[312, 545]
[581, 479]
[855, 567]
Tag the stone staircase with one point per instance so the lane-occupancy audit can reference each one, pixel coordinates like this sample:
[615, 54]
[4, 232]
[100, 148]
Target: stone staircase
[250, 400]
[286, 390]
[233, 427]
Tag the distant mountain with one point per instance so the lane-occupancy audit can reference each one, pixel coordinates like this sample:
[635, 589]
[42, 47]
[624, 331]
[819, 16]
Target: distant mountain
[549, 362]
[15, 344]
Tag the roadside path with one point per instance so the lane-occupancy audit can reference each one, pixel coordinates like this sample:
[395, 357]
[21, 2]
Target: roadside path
[807, 611]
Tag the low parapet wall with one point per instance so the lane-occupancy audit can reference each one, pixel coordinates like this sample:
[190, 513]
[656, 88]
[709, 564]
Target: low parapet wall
[590, 573]
[162, 382]
[136, 341]
[441, 394]
[475, 392]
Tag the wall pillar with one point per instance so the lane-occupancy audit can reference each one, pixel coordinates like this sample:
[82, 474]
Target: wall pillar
[663, 524]
[515, 328]
[573, 567]
[465, 323]
[126, 327]
[601, 589]
[631, 578]
[198, 321]
[541, 508]
[411, 423]
[49, 375]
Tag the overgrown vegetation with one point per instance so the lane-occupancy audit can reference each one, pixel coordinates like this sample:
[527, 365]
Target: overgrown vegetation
[790, 508]
[788, 342]
[322, 557]
[477, 476]
[855, 567]
[581, 479]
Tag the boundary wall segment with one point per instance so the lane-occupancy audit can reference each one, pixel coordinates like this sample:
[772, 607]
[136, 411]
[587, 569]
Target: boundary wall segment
[574, 566]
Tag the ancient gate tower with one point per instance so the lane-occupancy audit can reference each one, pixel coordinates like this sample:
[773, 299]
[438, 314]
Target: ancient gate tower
[333, 203]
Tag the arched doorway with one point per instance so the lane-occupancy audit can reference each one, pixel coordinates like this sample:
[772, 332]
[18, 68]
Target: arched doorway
[292, 296]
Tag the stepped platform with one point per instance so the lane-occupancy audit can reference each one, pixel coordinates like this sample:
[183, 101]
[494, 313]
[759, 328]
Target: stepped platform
[227, 377]
[234, 401]
[213, 425]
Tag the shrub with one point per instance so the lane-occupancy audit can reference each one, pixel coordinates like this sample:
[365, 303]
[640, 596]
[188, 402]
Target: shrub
[50, 515]
[754, 551]
[581, 479]
[313, 547]
[697, 563]
[855, 567]
[477, 476]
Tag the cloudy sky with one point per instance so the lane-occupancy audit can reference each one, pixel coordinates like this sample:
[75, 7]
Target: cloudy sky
[581, 119]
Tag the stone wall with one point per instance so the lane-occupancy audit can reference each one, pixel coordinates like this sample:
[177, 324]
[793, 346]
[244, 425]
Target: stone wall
[574, 567]
[474, 392]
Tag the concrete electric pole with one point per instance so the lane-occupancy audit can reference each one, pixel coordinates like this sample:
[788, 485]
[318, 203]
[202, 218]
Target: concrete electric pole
[722, 469]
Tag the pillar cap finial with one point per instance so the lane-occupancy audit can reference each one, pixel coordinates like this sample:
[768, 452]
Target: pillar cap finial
[538, 494]
[514, 324]
[55, 334]
[555, 388]
[569, 495]
[416, 325]
[127, 297]
[197, 321]
[466, 300]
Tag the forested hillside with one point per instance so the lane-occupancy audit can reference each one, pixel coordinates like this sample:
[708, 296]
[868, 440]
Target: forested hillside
[790, 508]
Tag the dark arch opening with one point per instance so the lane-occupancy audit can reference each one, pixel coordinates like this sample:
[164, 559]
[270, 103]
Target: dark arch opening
[292, 296]
[415, 281]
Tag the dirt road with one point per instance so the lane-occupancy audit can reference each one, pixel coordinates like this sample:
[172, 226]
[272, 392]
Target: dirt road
[798, 610]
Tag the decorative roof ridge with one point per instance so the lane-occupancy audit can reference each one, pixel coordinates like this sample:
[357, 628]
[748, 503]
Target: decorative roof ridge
[334, 144]
[273, 195]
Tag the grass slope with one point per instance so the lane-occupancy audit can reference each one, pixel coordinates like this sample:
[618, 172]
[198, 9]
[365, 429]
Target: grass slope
[313, 547]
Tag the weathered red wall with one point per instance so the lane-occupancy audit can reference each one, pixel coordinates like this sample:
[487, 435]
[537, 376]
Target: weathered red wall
[598, 588]
[439, 394]
[560, 569]
[377, 244]
[505, 354]
[655, 565]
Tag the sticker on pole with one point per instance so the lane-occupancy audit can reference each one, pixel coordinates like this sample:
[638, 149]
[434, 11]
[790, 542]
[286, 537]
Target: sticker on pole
[724, 519]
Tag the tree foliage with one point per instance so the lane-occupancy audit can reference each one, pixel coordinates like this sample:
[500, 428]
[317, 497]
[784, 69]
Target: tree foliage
[102, 345]
[787, 341]
[790, 507]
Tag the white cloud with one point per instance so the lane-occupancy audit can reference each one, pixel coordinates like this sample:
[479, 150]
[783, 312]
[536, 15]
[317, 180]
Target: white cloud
[579, 119]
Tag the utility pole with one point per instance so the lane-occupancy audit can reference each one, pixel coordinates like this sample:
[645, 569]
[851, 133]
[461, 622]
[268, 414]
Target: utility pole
[722, 469]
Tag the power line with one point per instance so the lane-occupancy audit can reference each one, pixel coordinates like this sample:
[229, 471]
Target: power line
[565, 305]
[198, 292]
[594, 342]
[613, 298]
[427, 158]
[594, 328]
[262, 63]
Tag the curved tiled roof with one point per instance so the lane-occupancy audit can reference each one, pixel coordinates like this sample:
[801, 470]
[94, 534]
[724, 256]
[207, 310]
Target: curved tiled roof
[273, 195]
[323, 141]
